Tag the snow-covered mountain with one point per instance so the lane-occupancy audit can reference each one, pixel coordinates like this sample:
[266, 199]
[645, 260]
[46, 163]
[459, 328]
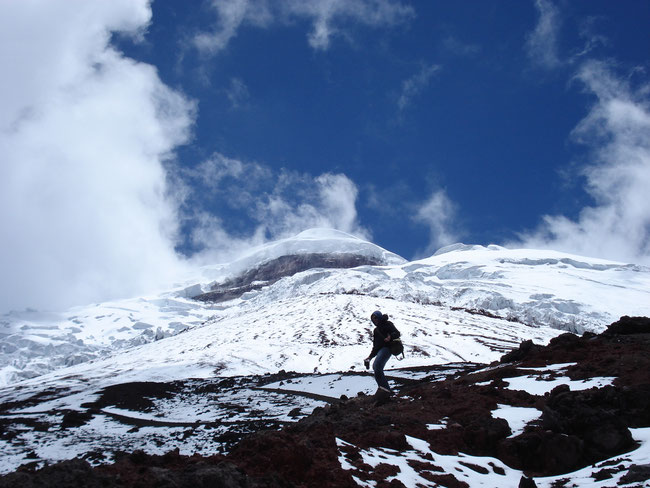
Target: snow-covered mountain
[275, 310]
[206, 349]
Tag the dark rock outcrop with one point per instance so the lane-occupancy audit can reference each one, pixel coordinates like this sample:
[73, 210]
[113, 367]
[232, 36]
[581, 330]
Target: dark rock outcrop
[525, 349]
[271, 271]
[594, 416]
[629, 325]
[636, 474]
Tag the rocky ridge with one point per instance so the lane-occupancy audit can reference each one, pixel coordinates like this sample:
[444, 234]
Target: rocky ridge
[269, 272]
[590, 396]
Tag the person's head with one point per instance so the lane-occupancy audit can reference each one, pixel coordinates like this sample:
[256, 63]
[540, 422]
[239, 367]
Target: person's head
[376, 317]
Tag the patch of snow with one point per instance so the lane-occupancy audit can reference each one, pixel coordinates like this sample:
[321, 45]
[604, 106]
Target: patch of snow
[482, 471]
[440, 426]
[517, 417]
[536, 386]
[551, 367]
[458, 466]
[333, 385]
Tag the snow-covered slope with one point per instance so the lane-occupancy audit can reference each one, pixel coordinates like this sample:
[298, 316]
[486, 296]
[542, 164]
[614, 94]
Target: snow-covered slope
[317, 333]
[318, 319]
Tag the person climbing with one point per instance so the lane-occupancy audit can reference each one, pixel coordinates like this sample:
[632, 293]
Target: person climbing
[383, 336]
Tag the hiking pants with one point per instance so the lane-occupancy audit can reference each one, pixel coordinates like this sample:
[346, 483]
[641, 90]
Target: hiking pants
[378, 367]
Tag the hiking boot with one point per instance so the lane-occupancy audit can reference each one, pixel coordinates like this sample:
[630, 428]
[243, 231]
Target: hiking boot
[383, 392]
[382, 396]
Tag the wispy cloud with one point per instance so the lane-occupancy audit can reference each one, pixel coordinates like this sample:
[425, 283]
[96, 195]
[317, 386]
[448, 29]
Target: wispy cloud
[329, 18]
[275, 204]
[84, 133]
[231, 14]
[616, 129]
[542, 42]
[238, 93]
[415, 85]
[593, 40]
[438, 213]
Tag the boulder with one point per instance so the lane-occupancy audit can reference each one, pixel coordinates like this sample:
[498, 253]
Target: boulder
[629, 325]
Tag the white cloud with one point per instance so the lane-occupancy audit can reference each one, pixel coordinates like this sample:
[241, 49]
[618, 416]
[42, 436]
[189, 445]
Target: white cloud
[328, 18]
[617, 226]
[412, 87]
[338, 195]
[329, 200]
[214, 170]
[438, 213]
[542, 43]
[84, 133]
[274, 204]
[230, 15]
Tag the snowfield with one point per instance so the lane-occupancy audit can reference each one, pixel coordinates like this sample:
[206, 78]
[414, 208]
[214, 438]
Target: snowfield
[317, 320]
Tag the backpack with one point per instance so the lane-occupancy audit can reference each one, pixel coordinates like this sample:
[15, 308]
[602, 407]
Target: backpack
[396, 348]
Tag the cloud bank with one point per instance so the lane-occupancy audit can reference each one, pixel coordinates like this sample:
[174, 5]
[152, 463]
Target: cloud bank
[617, 225]
[328, 18]
[84, 133]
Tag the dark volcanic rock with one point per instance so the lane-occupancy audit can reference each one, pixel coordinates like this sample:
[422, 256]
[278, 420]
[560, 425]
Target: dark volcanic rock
[173, 470]
[524, 349]
[135, 396]
[543, 452]
[270, 272]
[636, 474]
[75, 419]
[527, 483]
[66, 474]
[567, 341]
[629, 325]
[484, 434]
[593, 416]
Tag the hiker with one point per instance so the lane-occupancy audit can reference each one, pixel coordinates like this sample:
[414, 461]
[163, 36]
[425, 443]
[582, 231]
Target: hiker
[383, 338]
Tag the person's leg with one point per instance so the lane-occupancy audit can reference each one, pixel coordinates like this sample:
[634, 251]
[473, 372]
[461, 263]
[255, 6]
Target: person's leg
[378, 367]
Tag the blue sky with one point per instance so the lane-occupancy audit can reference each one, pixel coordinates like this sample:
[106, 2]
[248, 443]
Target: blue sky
[449, 97]
[136, 135]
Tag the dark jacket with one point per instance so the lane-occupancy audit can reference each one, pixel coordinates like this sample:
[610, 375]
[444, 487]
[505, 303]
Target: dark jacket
[382, 330]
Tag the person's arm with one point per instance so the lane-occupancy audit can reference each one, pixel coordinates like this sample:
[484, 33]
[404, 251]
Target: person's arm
[375, 350]
[376, 344]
